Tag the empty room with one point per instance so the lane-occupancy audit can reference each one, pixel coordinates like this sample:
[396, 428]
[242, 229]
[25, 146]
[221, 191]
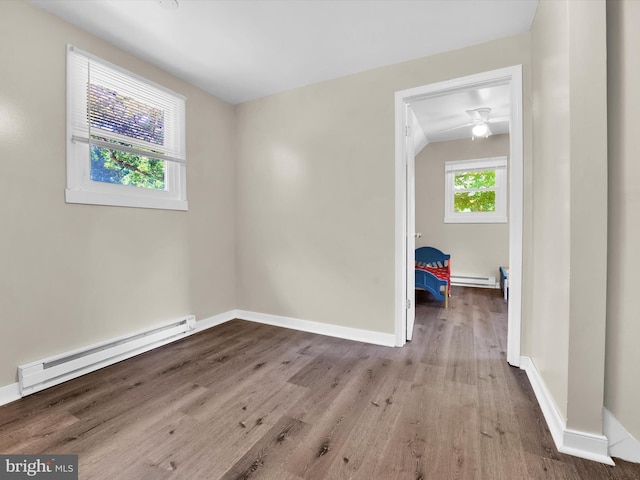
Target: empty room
[318, 239]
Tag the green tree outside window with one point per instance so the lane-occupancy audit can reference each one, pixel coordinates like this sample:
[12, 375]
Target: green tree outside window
[474, 191]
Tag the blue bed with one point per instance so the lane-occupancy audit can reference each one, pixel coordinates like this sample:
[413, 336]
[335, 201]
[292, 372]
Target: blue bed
[433, 273]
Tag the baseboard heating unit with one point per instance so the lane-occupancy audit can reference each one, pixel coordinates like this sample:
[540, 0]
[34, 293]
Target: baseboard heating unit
[467, 281]
[51, 371]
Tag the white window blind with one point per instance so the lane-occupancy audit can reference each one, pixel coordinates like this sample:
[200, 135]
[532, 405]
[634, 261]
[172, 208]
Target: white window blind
[476, 165]
[111, 107]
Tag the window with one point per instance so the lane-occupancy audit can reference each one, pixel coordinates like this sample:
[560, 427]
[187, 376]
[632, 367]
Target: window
[125, 137]
[476, 191]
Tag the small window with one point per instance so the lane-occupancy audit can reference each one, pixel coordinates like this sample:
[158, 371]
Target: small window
[476, 191]
[125, 137]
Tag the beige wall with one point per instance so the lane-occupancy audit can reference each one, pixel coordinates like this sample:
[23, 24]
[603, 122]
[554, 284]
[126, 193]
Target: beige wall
[622, 389]
[548, 337]
[588, 280]
[565, 337]
[476, 249]
[72, 275]
[316, 189]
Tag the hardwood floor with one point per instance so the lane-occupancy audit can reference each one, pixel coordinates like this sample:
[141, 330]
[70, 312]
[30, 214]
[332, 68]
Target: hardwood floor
[248, 401]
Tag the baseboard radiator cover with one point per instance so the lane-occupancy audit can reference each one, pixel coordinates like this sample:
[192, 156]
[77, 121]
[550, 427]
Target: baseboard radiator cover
[471, 281]
[45, 373]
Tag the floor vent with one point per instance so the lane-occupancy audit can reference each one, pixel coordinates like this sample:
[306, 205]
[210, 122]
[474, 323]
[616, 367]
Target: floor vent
[51, 371]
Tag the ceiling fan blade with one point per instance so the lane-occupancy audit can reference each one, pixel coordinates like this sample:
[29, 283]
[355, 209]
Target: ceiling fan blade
[479, 114]
[456, 127]
[504, 118]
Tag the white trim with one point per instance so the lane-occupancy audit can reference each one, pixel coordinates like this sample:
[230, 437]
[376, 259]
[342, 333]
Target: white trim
[9, 393]
[621, 443]
[116, 200]
[400, 224]
[579, 444]
[508, 75]
[214, 321]
[331, 330]
[487, 163]
[410, 239]
[475, 217]
[516, 218]
[555, 422]
[586, 445]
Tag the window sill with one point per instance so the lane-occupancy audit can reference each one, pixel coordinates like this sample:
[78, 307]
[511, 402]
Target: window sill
[476, 219]
[119, 200]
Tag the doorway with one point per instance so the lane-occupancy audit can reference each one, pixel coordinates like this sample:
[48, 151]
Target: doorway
[405, 197]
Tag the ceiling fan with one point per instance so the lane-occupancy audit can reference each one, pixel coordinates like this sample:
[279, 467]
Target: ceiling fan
[480, 120]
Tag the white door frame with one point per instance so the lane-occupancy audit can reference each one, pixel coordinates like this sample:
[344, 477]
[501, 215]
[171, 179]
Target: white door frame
[513, 77]
[410, 239]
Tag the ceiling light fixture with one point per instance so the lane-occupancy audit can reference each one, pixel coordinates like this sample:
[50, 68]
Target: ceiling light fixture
[169, 4]
[480, 129]
[480, 117]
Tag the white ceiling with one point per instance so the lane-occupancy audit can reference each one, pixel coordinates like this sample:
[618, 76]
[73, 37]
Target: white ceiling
[245, 49]
[445, 117]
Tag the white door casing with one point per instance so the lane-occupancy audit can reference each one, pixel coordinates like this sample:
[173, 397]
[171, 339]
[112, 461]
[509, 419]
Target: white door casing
[404, 187]
[410, 158]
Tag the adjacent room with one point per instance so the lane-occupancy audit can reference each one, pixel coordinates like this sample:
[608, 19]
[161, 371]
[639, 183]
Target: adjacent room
[461, 181]
[211, 211]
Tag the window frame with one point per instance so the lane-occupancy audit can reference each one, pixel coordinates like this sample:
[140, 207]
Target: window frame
[499, 164]
[81, 189]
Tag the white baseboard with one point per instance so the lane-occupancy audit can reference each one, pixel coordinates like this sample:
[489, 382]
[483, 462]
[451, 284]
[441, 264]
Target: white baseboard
[9, 393]
[555, 422]
[586, 445]
[621, 443]
[331, 330]
[214, 321]
[572, 442]
[348, 333]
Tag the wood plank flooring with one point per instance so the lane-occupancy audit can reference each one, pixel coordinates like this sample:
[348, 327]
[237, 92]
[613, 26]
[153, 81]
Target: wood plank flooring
[245, 401]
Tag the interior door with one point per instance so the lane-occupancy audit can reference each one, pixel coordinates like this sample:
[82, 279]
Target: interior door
[411, 220]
